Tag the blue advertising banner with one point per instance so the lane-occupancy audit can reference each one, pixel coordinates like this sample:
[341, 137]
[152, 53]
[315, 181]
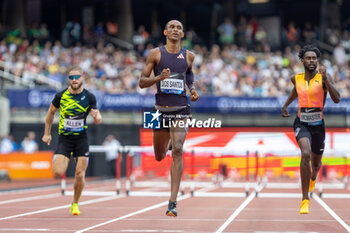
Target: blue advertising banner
[36, 98]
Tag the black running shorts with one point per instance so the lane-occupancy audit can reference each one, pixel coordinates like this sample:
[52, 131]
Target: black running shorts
[316, 135]
[75, 145]
[171, 116]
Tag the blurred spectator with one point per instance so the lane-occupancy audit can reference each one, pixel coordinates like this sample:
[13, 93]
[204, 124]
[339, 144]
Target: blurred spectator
[339, 55]
[333, 36]
[43, 33]
[99, 31]
[227, 32]
[309, 33]
[88, 35]
[111, 144]
[34, 32]
[187, 41]
[112, 28]
[141, 36]
[291, 34]
[29, 145]
[6, 145]
[345, 41]
[260, 40]
[242, 32]
[76, 31]
[14, 143]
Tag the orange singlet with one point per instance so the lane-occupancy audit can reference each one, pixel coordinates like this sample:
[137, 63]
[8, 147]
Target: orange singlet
[311, 97]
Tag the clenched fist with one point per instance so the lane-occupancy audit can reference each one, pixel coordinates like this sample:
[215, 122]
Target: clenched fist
[323, 72]
[47, 139]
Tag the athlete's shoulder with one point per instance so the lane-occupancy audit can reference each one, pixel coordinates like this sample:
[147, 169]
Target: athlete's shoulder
[154, 54]
[57, 99]
[154, 51]
[91, 96]
[298, 76]
[292, 78]
[60, 93]
[88, 93]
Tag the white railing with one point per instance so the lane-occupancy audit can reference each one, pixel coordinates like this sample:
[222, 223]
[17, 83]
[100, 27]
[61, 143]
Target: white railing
[5, 74]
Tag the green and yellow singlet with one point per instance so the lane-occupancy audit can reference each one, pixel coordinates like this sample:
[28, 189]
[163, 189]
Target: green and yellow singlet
[74, 108]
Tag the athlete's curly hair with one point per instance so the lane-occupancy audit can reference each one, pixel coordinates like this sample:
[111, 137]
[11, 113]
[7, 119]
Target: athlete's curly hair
[308, 48]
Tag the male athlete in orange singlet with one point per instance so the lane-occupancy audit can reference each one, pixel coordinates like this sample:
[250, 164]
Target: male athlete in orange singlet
[311, 88]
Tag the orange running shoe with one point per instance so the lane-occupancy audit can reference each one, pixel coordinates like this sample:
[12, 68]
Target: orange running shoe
[304, 208]
[312, 185]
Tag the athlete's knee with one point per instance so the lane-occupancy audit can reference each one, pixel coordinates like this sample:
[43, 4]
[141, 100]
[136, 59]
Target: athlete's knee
[58, 172]
[306, 156]
[159, 153]
[79, 174]
[160, 156]
[317, 164]
[177, 148]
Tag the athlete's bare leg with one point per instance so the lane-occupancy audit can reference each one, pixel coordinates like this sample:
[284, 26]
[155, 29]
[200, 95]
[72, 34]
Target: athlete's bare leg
[59, 165]
[79, 182]
[316, 162]
[178, 136]
[161, 140]
[305, 170]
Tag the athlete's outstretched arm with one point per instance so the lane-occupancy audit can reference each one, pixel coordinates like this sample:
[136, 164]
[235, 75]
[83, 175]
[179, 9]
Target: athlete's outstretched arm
[152, 60]
[292, 96]
[48, 124]
[328, 81]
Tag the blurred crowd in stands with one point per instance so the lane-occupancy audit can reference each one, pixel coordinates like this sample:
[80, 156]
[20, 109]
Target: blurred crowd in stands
[241, 63]
[27, 145]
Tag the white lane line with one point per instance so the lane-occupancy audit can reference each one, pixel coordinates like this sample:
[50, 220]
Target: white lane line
[28, 190]
[24, 229]
[62, 207]
[336, 195]
[132, 214]
[30, 198]
[219, 194]
[166, 184]
[239, 210]
[142, 211]
[331, 212]
[151, 231]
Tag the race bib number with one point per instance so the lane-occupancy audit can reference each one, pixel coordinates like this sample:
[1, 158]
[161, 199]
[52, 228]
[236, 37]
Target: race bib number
[311, 117]
[172, 86]
[73, 123]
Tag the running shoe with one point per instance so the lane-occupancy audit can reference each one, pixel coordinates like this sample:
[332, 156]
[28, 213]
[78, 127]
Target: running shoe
[304, 208]
[75, 209]
[171, 211]
[312, 185]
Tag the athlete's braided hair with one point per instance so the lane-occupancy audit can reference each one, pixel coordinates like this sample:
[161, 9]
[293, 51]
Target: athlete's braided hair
[308, 48]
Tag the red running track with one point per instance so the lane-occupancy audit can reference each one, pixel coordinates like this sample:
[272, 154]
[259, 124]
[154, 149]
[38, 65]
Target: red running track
[46, 210]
